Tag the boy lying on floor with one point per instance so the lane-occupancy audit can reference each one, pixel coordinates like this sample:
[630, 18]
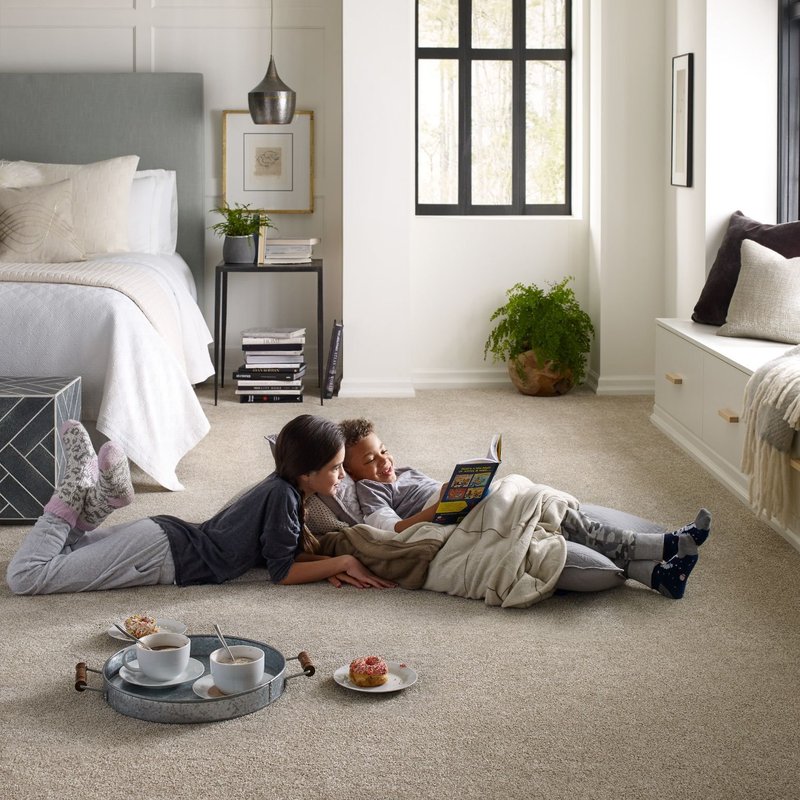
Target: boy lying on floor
[394, 499]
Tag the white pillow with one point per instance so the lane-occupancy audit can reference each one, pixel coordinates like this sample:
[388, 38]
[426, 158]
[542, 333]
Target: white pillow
[100, 197]
[766, 300]
[153, 217]
[141, 234]
[36, 224]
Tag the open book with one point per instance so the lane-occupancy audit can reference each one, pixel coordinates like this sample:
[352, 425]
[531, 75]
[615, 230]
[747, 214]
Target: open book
[468, 485]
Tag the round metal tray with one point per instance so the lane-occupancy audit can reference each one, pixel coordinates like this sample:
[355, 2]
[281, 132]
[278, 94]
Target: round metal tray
[178, 704]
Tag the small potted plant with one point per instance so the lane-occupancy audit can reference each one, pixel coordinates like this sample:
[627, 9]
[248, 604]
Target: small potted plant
[543, 336]
[240, 227]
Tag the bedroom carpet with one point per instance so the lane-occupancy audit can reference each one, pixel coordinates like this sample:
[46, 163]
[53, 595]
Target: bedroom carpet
[624, 694]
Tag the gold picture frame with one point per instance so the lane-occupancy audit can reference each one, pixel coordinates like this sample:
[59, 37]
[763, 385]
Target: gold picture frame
[269, 168]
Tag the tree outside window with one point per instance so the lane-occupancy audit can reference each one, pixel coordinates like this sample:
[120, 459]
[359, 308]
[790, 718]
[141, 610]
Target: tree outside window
[493, 106]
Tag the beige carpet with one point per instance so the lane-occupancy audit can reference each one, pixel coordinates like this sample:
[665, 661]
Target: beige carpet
[618, 695]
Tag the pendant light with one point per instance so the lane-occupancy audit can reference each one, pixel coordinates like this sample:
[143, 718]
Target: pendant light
[272, 101]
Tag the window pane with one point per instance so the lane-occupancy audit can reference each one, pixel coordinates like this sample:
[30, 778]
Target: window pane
[545, 121]
[545, 25]
[491, 133]
[437, 153]
[491, 23]
[438, 23]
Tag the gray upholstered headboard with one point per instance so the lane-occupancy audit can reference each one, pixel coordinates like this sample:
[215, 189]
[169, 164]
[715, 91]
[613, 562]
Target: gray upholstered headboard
[77, 118]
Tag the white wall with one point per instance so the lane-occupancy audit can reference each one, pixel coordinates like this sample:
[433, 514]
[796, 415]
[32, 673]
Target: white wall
[228, 42]
[416, 293]
[735, 141]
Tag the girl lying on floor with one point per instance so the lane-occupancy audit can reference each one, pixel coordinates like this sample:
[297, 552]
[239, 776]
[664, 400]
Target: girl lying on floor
[66, 552]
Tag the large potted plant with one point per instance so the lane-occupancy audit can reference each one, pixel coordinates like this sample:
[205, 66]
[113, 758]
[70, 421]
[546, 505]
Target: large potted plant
[543, 336]
[240, 226]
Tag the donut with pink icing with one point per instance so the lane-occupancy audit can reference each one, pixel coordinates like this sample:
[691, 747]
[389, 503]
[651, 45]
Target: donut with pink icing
[369, 671]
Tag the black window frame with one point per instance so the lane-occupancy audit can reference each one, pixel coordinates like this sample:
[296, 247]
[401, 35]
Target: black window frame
[788, 110]
[519, 55]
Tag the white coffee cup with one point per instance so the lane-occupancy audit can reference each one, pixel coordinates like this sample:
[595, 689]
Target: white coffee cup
[167, 657]
[245, 673]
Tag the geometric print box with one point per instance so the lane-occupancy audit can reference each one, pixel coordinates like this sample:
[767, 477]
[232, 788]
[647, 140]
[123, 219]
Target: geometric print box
[32, 458]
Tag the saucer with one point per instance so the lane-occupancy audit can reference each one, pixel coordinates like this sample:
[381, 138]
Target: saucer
[401, 676]
[193, 670]
[204, 687]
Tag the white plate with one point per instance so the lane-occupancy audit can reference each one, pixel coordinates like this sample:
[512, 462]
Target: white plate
[400, 677]
[204, 687]
[193, 670]
[165, 625]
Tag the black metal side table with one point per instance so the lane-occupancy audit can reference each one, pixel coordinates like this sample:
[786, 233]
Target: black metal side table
[221, 310]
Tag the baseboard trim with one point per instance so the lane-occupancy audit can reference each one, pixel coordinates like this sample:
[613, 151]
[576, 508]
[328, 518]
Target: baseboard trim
[386, 387]
[621, 384]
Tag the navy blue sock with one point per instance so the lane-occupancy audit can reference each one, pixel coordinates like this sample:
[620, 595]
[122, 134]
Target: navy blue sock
[697, 530]
[670, 577]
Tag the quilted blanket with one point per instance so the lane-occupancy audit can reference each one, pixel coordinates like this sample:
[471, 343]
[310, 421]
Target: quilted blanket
[131, 279]
[507, 551]
[772, 422]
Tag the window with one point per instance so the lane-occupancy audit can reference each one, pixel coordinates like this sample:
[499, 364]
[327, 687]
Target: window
[493, 88]
[789, 110]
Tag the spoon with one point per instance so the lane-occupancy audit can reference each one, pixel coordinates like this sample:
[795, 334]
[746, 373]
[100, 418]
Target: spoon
[224, 643]
[131, 636]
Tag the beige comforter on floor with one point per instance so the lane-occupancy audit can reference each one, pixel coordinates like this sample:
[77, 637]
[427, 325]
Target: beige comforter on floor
[507, 551]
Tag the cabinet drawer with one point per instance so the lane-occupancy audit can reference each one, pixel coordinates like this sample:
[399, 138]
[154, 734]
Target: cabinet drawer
[679, 379]
[723, 404]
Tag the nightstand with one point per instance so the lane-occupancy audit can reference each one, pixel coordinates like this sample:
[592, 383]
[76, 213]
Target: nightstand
[221, 310]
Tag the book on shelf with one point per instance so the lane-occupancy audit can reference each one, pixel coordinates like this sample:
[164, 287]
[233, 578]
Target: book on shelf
[285, 260]
[268, 382]
[258, 359]
[285, 251]
[468, 485]
[273, 349]
[273, 333]
[270, 390]
[334, 354]
[271, 398]
[244, 372]
[273, 340]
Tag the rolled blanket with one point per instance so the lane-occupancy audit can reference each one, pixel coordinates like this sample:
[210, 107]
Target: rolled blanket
[772, 420]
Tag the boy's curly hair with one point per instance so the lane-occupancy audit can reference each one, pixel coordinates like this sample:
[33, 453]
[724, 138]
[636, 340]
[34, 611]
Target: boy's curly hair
[355, 430]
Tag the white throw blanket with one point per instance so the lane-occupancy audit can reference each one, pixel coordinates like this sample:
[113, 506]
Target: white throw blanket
[507, 551]
[772, 420]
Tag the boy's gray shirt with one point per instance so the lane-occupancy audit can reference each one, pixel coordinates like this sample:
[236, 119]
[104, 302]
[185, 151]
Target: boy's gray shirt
[406, 496]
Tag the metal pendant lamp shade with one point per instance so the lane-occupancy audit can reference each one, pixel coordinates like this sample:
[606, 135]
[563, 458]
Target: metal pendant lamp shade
[272, 101]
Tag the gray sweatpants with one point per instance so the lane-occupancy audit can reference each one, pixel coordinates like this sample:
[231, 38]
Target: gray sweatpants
[55, 558]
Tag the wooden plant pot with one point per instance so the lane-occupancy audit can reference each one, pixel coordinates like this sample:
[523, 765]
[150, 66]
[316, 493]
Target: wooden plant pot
[539, 381]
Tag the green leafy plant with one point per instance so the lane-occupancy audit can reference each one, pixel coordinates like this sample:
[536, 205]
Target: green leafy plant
[550, 323]
[239, 220]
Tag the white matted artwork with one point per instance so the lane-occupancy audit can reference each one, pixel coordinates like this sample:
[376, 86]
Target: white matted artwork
[269, 168]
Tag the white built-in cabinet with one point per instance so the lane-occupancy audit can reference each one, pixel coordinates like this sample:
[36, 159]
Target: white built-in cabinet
[700, 380]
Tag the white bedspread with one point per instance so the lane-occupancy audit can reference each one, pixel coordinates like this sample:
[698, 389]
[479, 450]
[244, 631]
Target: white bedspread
[133, 382]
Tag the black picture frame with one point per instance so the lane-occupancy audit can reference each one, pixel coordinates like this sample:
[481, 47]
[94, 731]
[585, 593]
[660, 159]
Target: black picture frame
[682, 119]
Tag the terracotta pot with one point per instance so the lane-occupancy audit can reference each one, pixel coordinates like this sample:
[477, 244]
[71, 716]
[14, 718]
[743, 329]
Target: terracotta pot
[540, 381]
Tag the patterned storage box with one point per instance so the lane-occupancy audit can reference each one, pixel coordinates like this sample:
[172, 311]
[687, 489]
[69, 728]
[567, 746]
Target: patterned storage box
[31, 455]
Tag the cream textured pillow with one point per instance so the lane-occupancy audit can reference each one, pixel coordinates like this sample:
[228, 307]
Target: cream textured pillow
[766, 300]
[36, 224]
[100, 196]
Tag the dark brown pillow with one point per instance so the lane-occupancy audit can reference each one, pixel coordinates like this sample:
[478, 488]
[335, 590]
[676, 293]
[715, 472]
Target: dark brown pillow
[712, 307]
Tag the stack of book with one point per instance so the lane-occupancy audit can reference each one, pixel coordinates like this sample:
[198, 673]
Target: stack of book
[285, 251]
[274, 366]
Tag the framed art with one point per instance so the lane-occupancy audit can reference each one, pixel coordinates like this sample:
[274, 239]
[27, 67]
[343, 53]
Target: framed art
[268, 167]
[682, 102]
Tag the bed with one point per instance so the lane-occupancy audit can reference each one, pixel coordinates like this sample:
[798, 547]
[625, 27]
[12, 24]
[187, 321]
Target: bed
[111, 292]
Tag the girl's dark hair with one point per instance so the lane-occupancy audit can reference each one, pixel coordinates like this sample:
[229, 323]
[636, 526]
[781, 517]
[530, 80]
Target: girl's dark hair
[305, 444]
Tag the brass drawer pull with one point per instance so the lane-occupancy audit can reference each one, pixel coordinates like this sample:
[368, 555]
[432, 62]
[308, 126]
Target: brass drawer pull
[795, 462]
[728, 415]
[674, 378]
